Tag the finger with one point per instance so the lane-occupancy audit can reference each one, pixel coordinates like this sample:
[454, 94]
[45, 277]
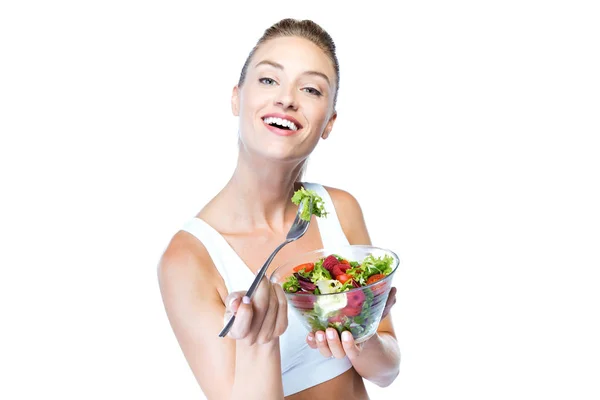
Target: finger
[231, 310]
[243, 320]
[391, 297]
[268, 326]
[334, 343]
[235, 304]
[311, 340]
[322, 344]
[350, 348]
[232, 302]
[282, 311]
[391, 300]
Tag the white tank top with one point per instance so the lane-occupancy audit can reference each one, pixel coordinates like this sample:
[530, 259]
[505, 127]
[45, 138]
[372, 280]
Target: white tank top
[301, 366]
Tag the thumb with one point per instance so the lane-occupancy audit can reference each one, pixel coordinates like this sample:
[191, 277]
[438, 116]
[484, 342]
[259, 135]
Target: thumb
[232, 304]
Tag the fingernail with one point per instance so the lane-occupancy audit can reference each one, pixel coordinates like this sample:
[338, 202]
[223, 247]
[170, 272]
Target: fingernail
[246, 300]
[310, 338]
[320, 337]
[346, 336]
[330, 335]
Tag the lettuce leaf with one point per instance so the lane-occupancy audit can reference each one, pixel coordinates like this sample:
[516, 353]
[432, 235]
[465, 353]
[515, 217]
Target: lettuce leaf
[319, 272]
[370, 266]
[317, 208]
[291, 285]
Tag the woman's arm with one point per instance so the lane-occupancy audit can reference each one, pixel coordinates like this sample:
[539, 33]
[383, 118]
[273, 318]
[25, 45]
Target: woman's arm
[224, 367]
[378, 359]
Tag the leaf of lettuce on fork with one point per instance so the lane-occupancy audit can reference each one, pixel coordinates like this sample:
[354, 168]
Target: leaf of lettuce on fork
[303, 196]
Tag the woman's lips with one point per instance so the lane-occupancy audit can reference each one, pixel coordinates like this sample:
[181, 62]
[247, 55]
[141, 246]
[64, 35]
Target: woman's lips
[280, 131]
[284, 117]
[281, 124]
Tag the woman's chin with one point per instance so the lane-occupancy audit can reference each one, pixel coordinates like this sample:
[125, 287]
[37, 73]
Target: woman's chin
[281, 155]
[280, 152]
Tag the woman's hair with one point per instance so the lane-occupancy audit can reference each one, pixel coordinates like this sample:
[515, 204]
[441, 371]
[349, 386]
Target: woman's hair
[306, 29]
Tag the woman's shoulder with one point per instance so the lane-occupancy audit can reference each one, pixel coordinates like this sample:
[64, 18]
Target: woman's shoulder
[350, 214]
[344, 202]
[186, 258]
[343, 199]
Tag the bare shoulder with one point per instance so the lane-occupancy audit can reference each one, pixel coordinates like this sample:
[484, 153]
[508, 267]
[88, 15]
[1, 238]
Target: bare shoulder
[350, 215]
[185, 261]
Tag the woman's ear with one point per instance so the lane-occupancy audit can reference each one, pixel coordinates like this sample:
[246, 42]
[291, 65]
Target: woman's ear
[235, 101]
[329, 126]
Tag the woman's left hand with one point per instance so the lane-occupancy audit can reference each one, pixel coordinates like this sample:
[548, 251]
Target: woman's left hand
[329, 343]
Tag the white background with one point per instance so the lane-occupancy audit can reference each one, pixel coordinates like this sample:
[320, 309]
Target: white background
[468, 130]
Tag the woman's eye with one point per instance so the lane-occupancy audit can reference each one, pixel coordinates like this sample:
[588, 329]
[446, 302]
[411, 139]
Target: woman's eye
[267, 81]
[312, 91]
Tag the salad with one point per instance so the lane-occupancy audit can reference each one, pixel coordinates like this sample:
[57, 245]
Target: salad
[334, 275]
[303, 196]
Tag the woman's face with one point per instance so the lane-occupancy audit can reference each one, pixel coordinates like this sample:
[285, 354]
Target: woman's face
[286, 101]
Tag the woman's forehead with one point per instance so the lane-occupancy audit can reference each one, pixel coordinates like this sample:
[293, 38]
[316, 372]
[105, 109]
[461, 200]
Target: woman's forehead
[294, 54]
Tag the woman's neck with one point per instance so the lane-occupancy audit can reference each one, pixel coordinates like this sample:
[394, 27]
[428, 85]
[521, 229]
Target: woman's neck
[259, 193]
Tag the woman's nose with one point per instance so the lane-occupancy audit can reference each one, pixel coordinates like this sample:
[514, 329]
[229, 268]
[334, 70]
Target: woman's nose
[286, 98]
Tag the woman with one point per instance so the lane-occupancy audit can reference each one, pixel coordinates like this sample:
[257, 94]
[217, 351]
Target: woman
[285, 100]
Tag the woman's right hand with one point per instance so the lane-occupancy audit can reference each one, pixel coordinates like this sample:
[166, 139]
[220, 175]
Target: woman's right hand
[261, 319]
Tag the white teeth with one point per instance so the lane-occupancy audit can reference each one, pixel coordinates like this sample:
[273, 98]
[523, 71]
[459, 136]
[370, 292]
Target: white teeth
[281, 122]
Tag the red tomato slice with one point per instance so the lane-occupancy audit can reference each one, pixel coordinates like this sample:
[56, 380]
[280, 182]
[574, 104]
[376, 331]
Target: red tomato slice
[380, 288]
[306, 266]
[375, 278]
[343, 278]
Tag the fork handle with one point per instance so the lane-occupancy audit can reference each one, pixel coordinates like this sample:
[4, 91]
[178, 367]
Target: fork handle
[227, 327]
[255, 283]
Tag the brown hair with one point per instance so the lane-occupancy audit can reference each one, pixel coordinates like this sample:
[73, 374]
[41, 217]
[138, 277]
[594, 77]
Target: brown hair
[306, 29]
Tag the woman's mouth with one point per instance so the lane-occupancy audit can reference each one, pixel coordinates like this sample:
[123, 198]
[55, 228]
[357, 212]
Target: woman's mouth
[281, 126]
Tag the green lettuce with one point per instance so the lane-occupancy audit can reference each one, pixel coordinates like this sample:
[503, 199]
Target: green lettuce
[303, 196]
[319, 272]
[370, 266]
[291, 285]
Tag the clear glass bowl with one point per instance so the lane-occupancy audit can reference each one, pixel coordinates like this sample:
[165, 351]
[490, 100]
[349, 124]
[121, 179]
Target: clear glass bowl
[358, 310]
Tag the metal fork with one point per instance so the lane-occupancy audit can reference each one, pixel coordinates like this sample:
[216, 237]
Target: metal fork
[298, 229]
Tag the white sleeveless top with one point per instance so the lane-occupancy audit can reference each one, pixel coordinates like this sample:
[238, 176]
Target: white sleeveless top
[301, 366]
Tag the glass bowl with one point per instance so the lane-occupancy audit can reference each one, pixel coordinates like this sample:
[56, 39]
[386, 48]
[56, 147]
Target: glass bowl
[357, 310]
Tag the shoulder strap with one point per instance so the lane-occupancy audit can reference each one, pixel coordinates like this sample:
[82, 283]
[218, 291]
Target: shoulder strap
[233, 270]
[329, 227]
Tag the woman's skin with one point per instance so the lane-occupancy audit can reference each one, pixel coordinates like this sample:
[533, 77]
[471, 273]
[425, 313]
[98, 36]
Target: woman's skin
[293, 78]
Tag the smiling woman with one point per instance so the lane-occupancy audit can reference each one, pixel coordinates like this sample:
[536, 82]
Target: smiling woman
[289, 91]
[285, 101]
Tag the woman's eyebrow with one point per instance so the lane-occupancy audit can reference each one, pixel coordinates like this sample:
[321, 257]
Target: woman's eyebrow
[279, 66]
